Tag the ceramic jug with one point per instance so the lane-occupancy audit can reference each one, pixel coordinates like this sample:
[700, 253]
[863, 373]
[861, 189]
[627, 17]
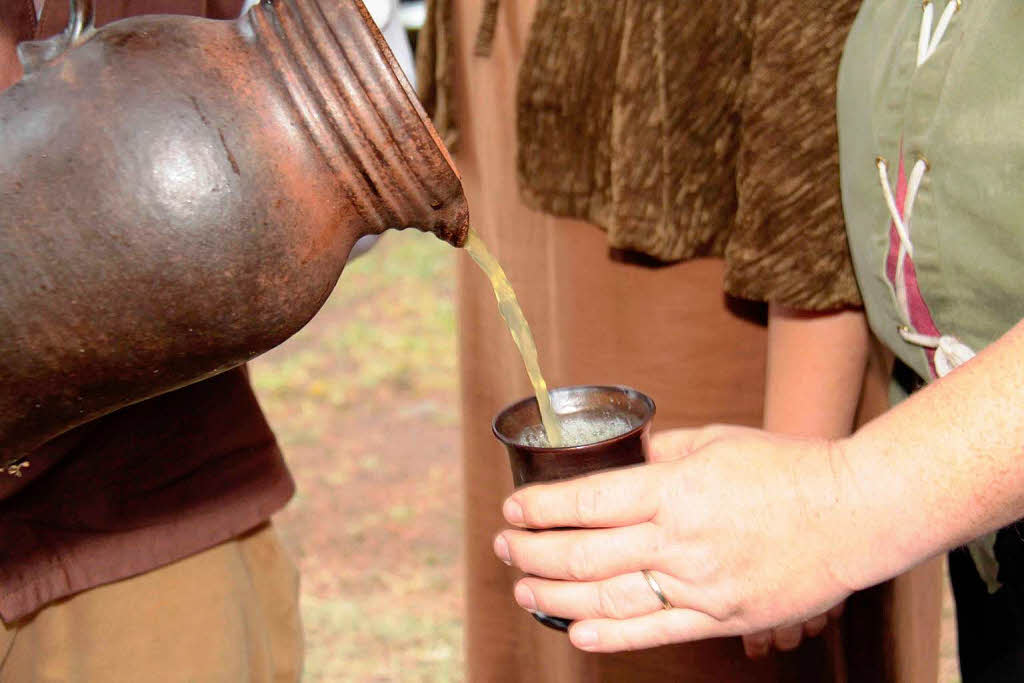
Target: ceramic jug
[179, 195]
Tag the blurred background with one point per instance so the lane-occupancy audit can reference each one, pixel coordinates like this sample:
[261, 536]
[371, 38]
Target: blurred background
[364, 404]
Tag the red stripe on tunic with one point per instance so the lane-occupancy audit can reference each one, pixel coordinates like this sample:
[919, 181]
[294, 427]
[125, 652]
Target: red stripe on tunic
[921, 320]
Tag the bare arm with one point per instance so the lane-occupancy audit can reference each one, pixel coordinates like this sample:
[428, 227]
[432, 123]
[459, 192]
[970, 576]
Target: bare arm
[815, 371]
[945, 466]
[816, 364]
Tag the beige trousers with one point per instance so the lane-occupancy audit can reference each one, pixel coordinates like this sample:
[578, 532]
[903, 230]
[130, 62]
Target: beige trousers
[229, 614]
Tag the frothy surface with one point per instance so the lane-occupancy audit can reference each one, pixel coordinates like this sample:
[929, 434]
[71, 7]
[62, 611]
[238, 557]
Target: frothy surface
[578, 430]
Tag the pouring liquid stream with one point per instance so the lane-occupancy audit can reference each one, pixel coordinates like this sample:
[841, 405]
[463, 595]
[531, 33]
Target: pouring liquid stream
[509, 308]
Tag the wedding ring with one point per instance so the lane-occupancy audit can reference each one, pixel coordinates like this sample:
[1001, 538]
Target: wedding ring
[656, 588]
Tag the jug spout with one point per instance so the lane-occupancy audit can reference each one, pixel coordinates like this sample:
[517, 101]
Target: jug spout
[362, 114]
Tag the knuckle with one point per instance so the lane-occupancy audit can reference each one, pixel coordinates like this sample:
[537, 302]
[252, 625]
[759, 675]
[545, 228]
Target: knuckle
[702, 564]
[587, 501]
[657, 544]
[611, 601]
[672, 487]
[728, 607]
[579, 565]
[729, 611]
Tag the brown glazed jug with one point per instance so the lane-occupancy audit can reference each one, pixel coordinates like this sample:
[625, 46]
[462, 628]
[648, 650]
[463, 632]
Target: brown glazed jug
[179, 195]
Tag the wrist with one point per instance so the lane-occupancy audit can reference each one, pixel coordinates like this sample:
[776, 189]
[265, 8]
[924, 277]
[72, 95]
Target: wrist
[828, 525]
[885, 532]
[839, 524]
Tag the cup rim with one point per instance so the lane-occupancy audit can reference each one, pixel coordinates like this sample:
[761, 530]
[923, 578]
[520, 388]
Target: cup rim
[566, 449]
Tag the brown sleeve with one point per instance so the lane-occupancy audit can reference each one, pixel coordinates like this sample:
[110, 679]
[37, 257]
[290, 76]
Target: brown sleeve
[789, 243]
[564, 108]
[435, 70]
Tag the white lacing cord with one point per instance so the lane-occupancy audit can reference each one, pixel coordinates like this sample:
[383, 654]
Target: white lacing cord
[927, 41]
[913, 185]
[901, 219]
[890, 201]
[950, 352]
[924, 37]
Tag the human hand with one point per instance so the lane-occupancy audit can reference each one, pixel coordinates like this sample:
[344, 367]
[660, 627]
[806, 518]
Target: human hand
[742, 529]
[786, 638]
[782, 638]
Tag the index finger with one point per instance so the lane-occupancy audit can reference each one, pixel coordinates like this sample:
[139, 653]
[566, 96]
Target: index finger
[673, 444]
[629, 495]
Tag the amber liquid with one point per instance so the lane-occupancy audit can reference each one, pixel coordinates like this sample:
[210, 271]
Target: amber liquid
[509, 308]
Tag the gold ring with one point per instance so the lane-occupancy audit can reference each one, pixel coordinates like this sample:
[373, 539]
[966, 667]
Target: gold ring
[656, 588]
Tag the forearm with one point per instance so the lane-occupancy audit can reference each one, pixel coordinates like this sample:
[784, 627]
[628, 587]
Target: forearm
[815, 371]
[941, 468]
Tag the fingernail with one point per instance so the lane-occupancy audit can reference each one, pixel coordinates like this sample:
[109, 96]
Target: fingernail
[513, 512]
[584, 637]
[502, 551]
[525, 598]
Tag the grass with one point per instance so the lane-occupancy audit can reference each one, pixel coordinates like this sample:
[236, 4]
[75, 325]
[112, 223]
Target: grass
[387, 330]
[356, 399]
[372, 641]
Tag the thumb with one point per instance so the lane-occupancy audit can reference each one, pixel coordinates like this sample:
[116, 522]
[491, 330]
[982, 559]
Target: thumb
[673, 444]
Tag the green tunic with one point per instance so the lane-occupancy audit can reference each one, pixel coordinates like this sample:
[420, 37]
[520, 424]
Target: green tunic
[962, 110]
[956, 104]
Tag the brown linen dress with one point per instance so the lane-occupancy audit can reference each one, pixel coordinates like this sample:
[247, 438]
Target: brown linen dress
[669, 332]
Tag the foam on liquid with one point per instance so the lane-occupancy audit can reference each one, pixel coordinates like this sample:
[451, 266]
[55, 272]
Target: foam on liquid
[578, 430]
[513, 315]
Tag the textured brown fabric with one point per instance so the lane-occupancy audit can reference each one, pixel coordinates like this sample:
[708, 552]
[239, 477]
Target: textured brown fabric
[788, 241]
[629, 117]
[689, 130]
[147, 485]
[485, 34]
[435, 70]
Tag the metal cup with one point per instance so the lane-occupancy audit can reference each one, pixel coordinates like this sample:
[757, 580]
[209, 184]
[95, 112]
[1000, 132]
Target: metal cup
[532, 464]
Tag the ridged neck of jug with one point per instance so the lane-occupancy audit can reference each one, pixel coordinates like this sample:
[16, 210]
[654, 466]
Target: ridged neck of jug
[362, 115]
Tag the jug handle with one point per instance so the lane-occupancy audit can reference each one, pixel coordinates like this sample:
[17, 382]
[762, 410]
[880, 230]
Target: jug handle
[34, 54]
